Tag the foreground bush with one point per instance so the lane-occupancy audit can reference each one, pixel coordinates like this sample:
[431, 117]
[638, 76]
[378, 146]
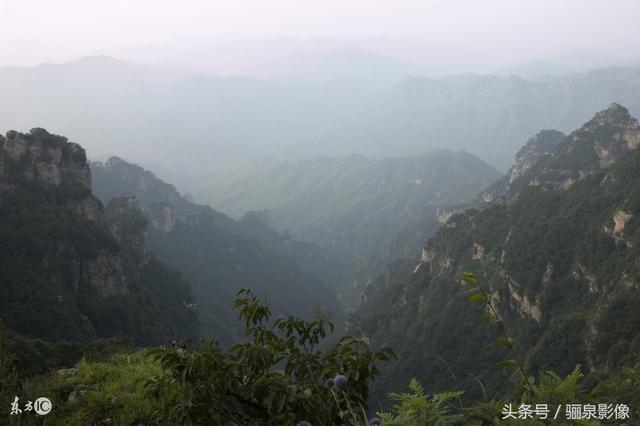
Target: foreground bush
[281, 375]
[285, 373]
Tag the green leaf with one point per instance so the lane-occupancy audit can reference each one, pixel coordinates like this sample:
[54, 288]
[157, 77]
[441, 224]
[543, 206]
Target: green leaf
[505, 363]
[468, 277]
[503, 342]
[475, 298]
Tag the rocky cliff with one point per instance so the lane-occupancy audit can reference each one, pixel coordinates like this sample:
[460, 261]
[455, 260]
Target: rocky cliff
[598, 144]
[540, 146]
[47, 158]
[557, 258]
[69, 270]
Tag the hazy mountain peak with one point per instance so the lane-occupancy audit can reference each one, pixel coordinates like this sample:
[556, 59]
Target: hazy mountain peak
[98, 65]
[99, 60]
[599, 143]
[261, 216]
[551, 158]
[608, 133]
[113, 161]
[615, 114]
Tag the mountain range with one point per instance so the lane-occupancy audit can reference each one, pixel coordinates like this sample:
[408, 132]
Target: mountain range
[97, 254]
[555, 247]
[144, 263]
[158, 117]
[369, 211]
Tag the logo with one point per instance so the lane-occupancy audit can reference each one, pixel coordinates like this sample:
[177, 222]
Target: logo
[42, 406]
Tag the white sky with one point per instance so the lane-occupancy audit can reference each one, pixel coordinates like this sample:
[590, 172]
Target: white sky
[499, 32]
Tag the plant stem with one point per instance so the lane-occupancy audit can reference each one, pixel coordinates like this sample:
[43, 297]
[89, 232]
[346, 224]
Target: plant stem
[503, 331]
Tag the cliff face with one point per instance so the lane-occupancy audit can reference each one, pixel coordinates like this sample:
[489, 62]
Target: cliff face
[67, 268]
[538, 147]
[47, 158]
[598, 144]
[557, 161]
[559, 261]
[129, 227]
[45, 161]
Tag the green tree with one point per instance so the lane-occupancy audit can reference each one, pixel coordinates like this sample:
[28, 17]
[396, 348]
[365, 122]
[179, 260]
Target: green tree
[281, 375]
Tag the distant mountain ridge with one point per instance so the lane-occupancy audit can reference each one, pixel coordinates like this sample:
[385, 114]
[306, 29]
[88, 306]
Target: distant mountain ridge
[154, 116]
[496, 111]
[557, 255]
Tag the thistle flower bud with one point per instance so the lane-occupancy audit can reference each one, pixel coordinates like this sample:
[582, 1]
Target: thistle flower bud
[340, 382]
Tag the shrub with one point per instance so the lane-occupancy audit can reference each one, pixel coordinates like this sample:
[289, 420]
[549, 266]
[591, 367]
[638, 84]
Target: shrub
[280, 373]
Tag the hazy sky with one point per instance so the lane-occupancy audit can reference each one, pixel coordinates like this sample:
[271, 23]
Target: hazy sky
[494, 33]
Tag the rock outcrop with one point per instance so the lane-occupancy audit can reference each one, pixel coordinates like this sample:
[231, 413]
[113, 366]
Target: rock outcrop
[598, 144]
[50, 159]
[536, 148]
[556, 256]
[67, 264]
